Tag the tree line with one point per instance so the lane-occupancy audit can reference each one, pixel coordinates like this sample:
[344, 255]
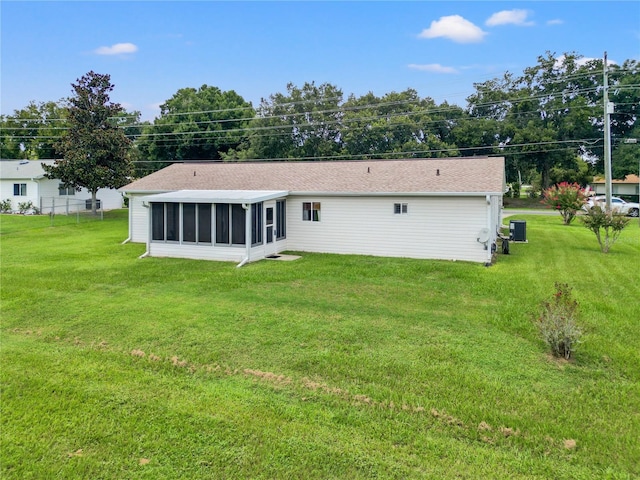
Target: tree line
[547, 122]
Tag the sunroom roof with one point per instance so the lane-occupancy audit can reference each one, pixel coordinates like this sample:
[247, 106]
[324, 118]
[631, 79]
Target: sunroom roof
[216, 196]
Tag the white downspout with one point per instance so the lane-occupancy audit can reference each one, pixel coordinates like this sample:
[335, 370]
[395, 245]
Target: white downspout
[145, 254]
[489, 227]
[247, 233]
[128, 239]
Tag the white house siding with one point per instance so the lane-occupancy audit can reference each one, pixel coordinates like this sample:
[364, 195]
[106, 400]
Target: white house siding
[44, 194]
[434, 227]
[496, 216]
[198, 252]
[110, 199]
[138, 220]
[33, 192]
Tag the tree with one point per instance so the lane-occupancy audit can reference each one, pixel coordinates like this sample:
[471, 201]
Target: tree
[565, 197]
[95, 150]
[196, 124]
[399, 123]
[548, 114]
[606, 224]
[303, 123]
[625, 157]
[33, 131]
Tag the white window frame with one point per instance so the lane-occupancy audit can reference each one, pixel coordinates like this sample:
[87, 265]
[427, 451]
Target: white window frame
[400, 208]
[314, 211]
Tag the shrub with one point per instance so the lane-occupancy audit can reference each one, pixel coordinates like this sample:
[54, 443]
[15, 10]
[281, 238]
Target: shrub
[558, 322]
[607, 225]
[26, 207]
[565, 197]
[5, 206]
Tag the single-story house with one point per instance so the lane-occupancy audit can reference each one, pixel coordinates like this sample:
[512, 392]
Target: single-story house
[246, 211]
[23, 181]
[626, 187]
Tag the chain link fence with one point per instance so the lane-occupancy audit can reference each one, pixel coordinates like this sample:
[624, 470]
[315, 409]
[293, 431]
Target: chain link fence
[63, 210]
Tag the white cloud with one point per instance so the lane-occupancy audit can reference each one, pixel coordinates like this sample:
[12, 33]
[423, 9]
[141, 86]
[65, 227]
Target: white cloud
[432, 67]
[510, 17]
[454, 27]
[579, 62]
[555, 21]
[117, 49]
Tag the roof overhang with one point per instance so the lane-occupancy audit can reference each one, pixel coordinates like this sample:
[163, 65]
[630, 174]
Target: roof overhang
[394, 194]
[216, 196]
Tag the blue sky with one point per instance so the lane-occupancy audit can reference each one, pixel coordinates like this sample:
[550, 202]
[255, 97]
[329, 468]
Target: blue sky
[152, 49]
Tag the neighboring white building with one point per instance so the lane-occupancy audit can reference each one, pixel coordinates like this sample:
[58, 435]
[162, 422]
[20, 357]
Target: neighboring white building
[23, 181]
[417, 208]
[629, 186]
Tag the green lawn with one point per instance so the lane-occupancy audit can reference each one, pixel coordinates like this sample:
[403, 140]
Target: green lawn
[326, 367]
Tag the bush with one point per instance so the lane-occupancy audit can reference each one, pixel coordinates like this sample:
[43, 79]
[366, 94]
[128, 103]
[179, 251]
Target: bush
[26, 207]
[607, 225]
[558, 322]
[5, 206]
[565, 197]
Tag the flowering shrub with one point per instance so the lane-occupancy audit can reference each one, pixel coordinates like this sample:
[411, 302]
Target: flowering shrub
[557, 322]
[27, 207]
[565, 197]
[607, 225]
[5, 206]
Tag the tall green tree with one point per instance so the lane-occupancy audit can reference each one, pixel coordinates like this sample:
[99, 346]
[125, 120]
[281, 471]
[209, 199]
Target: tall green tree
[625, 94]
[95, 150]
[548, 114]
[304, 122]
[32, 132]
[397, 124]
[625, 157]
[196, 124]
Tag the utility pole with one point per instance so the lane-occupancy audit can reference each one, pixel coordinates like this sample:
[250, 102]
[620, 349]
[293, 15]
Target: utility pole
[608, 109]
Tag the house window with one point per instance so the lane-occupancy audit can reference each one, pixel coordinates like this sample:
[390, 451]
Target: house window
[157, 221]
[196, 222]
[400, 208]
[256, 224]
[172, 211]
[204, 222]
[65, 191]
[281, 219]
[20, 189]
[222, 223]
[238, 226]
[230, 224]
[189, 222]
[165, 222]
[311, 211]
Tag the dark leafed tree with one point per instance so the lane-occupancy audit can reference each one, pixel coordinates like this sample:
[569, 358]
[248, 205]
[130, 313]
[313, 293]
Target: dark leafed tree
[33, 131]
[94, 149]
[196, 124]
[399, 124]
[303, 123]
[546, 117]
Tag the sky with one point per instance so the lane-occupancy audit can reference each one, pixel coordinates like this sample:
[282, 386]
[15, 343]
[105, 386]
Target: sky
[151, 49]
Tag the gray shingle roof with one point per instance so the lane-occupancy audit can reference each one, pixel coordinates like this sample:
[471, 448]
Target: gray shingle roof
[446, 175]
[23, 169]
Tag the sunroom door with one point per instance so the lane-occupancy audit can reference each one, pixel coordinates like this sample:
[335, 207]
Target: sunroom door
[270, 233]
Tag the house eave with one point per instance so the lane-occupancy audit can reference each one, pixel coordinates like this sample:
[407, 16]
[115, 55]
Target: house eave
[311, 193]
[392, 194]
[216, 196]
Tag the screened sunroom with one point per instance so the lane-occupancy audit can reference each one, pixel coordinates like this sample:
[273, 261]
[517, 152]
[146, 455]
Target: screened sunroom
[232, 225]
